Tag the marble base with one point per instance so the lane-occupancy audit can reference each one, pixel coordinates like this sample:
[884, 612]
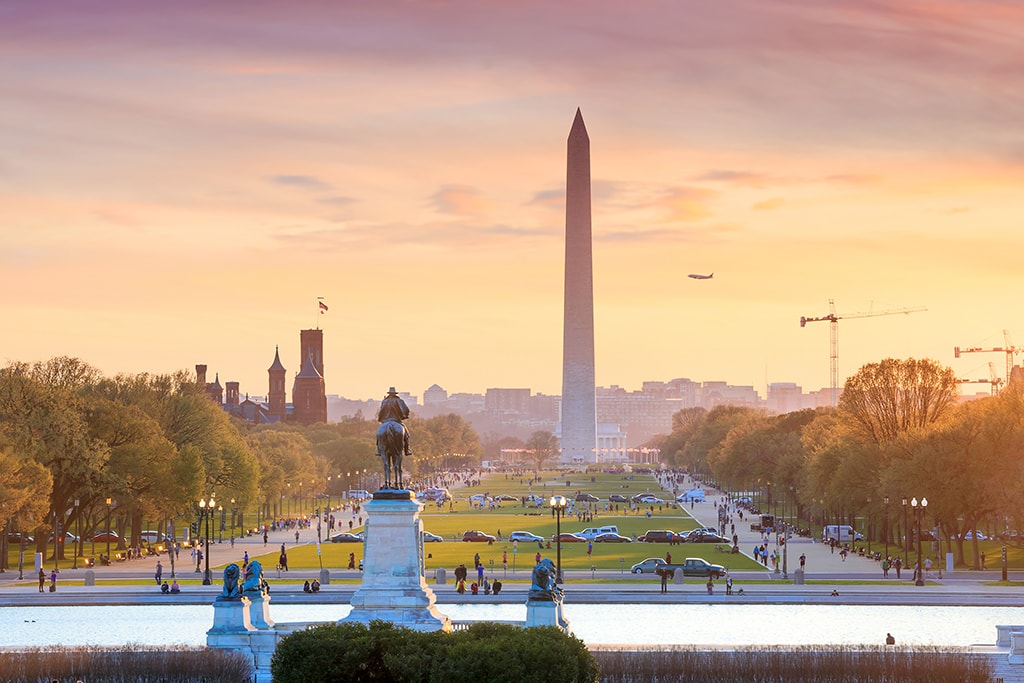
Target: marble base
[393, 587]
[546, 613]
[231, 616]
[259, 611]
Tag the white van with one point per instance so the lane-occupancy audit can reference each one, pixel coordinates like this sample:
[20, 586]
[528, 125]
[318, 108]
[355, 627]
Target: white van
[843, 533]
[595, 531]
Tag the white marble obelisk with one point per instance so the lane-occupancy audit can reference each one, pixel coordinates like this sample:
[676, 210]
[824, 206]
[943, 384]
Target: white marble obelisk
[579, 409]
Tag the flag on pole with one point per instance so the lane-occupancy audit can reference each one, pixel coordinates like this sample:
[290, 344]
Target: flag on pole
[323, 307]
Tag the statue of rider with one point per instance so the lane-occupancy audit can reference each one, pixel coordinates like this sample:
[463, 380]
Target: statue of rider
[393, 408]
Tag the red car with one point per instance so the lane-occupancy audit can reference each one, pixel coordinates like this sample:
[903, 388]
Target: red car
[102, 536]
[478, 537]
[569, 538]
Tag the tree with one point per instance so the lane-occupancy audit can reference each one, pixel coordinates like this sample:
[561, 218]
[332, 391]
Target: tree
[886, 399]
[25, 487]
[684, 425]
[710, 432]
[541, 447]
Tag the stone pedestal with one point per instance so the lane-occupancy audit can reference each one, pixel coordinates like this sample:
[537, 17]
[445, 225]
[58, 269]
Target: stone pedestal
[231, 616]
[546, 613]
[393, 587]
[1016, 655]
[259, 611]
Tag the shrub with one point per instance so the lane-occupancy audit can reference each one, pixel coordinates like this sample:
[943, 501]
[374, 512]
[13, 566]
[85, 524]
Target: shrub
[496, 653]
[130, 663]
[819, 664]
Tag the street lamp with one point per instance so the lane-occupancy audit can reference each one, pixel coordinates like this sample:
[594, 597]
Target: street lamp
[918, 513]
[234, 512]
[220, 537]
[78, 532]
[558, 505]
[109, 501]
[885, 524]
[906, 532]
[206, 510]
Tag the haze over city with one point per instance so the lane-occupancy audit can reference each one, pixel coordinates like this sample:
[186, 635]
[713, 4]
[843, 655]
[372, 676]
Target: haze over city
[179, 183]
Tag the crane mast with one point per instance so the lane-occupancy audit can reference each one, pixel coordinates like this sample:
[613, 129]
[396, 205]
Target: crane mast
[833, 319]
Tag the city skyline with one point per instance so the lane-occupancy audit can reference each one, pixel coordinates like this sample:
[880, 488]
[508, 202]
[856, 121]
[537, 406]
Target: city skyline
[178, 185]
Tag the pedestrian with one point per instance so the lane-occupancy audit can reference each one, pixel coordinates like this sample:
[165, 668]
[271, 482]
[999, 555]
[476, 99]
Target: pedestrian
[803, 560]
[885, 568]
[889, 640]
[296, 535]
[898, 564]
[728, 585]
[668, 558]
[53, 581]
[461, 587]
[476, 560]
[496, 586]
[711, 586]
[983, 561]
[245, 559]
[536, 559]
[927, 566]
[159, 572]
[480, 573]
[283, 560]
[42, 580]
[264, 536]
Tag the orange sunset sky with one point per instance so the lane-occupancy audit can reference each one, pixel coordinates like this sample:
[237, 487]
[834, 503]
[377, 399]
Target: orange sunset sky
[180, 181]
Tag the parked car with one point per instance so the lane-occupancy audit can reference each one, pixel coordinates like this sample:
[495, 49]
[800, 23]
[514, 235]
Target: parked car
[346, 537]
[431, 538]
[15, 537]
[525, 537]
[68, 538]
[657, 536]
[587, 498]
[535, 500]
[617, 498]
[612, 537]
[104, 536]
[969, 535]
[698, 566]
[702, 536]
[478, 537]
[566, 537]
[152, 536]
[651, 565]
[506, 498]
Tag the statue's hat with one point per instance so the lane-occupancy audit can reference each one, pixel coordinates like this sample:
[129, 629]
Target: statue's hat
[392, 391]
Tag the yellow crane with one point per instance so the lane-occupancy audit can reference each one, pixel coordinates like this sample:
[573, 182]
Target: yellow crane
[994, 380]
[833, 318]
[1008, 348]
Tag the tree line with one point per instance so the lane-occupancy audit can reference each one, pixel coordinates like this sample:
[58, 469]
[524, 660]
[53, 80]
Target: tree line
[899, 432]
[78, 449]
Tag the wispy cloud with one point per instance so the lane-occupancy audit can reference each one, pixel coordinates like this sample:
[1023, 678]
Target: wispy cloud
[685, 204]
[751, 178]
[460, 200]
[306, 182]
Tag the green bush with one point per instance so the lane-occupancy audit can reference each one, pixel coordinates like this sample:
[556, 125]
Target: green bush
[496, 653]
[130, 663]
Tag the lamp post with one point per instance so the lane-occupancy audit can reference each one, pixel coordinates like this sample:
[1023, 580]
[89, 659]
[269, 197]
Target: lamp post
[223, 520]
[78, 532]
[558, 505]
[206, 509]
[109, 501]
[906, 532]
[918, 513]
[885, 523]
[234, 512]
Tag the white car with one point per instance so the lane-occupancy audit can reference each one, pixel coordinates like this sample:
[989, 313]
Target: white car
[431, 538]
[525, 537]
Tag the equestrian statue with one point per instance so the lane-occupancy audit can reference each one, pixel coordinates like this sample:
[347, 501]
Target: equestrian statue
[393, 438]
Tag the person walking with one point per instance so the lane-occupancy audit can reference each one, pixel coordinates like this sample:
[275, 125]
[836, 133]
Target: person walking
[42, 580]
[53, 581]
[159, 572]
[728, 585]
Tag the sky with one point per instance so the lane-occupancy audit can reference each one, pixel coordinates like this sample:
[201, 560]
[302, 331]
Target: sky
[180, 182]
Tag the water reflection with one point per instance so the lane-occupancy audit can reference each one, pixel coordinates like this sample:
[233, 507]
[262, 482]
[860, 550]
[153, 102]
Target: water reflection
[594, 624]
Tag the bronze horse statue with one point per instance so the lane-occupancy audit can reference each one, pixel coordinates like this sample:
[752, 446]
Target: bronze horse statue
[392, 445]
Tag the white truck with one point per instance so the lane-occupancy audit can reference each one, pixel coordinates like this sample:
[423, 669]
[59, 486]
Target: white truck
[843, 533]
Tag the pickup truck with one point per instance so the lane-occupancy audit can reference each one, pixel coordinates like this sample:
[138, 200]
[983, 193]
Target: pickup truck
[691, 566]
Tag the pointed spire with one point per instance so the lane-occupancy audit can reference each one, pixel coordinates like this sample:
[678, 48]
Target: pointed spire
[277, 365]
[579, 129]
[308, 368]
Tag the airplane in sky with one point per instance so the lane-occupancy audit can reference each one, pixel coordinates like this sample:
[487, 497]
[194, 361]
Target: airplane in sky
[698, 276]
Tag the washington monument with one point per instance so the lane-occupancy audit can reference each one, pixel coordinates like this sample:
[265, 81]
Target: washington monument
[579, 413]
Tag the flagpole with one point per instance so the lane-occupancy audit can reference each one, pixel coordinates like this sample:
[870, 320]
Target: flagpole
[319, 311]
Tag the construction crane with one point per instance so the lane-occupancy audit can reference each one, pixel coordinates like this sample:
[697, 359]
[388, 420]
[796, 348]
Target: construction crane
[833, 318]
[1008, 348]
[994, 380]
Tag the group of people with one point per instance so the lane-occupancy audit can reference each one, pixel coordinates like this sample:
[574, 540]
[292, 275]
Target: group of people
[481, 583]
[311, 587]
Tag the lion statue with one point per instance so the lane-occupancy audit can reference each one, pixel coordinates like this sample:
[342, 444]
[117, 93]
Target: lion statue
[231, 590]
[544, 587]
[253, 578]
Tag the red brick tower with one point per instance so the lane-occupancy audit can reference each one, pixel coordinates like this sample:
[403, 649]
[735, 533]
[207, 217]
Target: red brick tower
[275, 394]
